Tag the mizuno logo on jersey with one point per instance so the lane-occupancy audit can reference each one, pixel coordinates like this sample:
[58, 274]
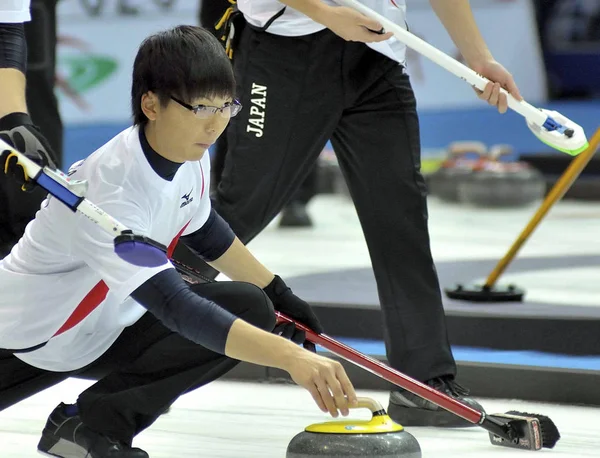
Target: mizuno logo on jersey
[187, 199]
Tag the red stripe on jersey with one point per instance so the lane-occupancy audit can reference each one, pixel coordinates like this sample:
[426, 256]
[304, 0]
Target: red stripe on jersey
[173, 243]
[98, 293]
[89, 303]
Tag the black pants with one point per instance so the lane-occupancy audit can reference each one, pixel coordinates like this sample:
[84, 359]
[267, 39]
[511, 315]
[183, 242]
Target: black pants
[17, 208]
[299, 92]
[209, 13]
[145, 370]
[307, 190]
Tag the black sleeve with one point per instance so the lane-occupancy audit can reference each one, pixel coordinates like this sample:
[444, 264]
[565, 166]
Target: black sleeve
[13, 47]
[211, 240]
[172, 301]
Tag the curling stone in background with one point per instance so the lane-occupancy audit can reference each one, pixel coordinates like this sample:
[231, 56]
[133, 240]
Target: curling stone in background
[379, 437]
[499, 184]
[463, 158]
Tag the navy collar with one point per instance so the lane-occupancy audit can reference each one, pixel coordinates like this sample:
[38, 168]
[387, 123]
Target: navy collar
[163, 167]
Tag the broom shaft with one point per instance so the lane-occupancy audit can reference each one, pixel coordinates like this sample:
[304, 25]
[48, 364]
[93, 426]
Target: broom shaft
[387, 373]
[366, 362]
[556, 193]
[442, 59]
[378, 368]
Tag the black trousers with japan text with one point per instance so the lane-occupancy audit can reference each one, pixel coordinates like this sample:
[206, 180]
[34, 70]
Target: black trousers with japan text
[300, 92]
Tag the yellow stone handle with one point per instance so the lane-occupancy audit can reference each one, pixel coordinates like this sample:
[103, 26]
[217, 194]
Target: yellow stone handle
[379, 422]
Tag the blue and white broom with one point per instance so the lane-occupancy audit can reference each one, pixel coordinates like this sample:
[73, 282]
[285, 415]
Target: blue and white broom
[550, 127]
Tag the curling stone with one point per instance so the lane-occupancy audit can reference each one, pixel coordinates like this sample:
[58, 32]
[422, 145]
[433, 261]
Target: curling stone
[503, 184]
[502, 152]
[463, 158]
[379, 437]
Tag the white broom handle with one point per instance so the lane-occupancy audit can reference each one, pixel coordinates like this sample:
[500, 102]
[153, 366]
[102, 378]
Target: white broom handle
[85, 207]
[530, 112]
[101, 218]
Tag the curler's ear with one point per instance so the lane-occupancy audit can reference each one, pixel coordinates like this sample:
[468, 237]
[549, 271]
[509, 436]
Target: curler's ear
[150, 105]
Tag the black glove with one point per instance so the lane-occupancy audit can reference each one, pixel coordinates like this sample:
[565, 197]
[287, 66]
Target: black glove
[286, 302]
[18, 130]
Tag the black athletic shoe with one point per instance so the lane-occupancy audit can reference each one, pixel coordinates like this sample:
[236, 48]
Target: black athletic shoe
[409, 409]
[67, 437]
[295, 215]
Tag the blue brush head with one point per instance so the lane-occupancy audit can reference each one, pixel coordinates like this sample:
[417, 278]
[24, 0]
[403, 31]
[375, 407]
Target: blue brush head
[140, 251]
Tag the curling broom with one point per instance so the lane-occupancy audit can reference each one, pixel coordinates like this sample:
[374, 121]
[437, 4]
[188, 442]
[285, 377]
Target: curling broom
[133, 248]
[512, 429]
[550, 127]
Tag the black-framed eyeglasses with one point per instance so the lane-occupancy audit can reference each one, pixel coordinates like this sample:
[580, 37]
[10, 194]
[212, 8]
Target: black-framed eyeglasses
[229, 110]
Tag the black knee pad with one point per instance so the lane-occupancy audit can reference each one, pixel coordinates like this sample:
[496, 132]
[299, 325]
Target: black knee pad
[262, 313]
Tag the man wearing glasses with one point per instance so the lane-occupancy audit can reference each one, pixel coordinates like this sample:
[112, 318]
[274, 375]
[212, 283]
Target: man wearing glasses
[69, 306]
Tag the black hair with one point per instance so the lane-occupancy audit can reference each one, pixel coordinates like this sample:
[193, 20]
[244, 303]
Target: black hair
[186, 62]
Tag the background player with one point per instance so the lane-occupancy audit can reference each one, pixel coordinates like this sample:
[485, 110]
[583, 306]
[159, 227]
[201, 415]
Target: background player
[309, 71]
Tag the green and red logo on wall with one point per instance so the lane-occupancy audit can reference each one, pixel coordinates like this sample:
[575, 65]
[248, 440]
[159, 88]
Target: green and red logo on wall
[81, 71]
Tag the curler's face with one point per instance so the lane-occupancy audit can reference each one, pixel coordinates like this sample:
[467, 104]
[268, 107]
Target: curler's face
[184, 130]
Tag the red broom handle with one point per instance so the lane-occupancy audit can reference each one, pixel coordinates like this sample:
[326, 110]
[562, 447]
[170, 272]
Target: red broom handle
[387, 373]
[372, 365]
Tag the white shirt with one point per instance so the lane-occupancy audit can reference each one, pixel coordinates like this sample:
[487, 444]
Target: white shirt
[294, 23]
[14, 11]
[64, 282]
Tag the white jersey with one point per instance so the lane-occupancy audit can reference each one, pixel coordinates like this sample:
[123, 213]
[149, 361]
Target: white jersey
[14, 11]
[294, 23]
[63, 282]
